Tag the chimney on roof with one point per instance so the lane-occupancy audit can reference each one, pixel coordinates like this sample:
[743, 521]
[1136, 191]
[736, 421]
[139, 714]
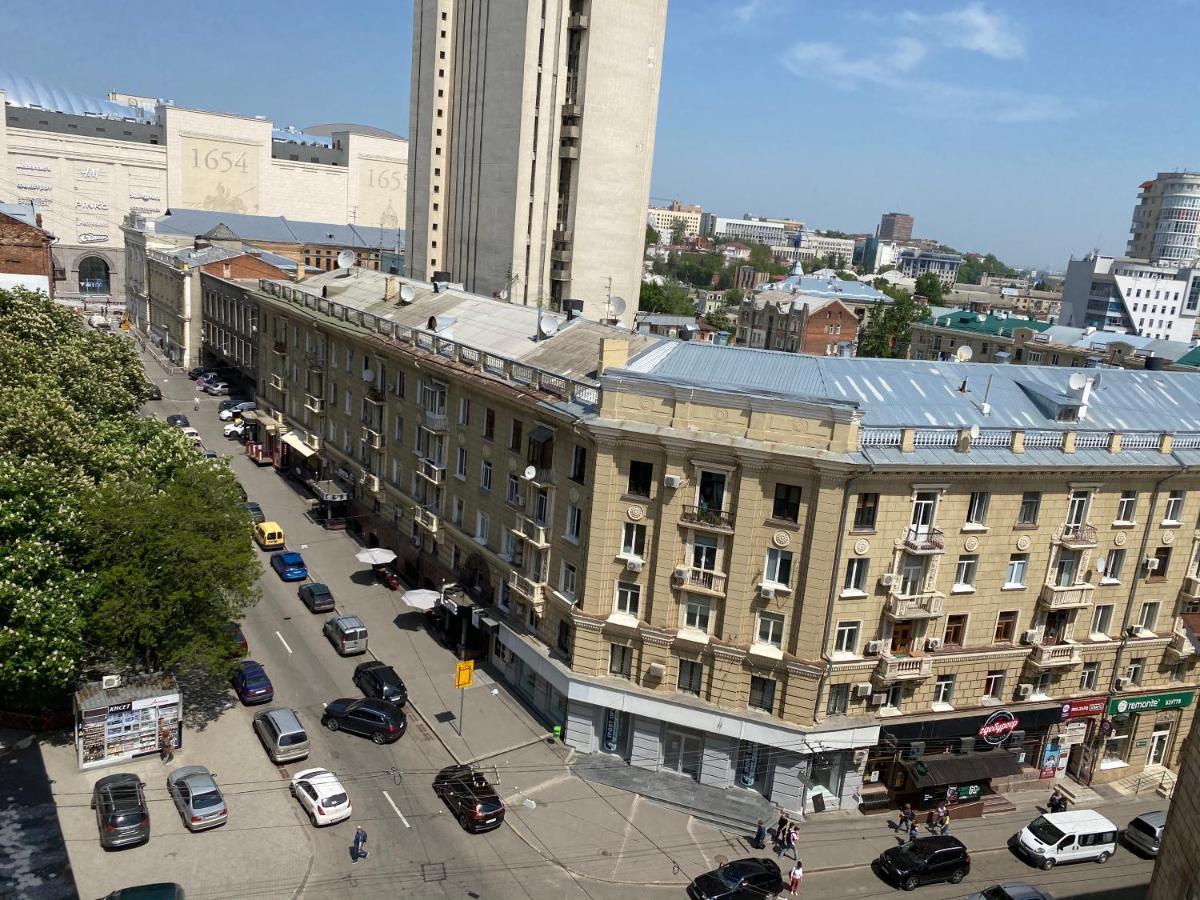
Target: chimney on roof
[391, 288]
[614, 353]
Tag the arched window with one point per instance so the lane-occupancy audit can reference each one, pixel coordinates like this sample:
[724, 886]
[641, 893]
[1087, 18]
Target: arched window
[94, 277]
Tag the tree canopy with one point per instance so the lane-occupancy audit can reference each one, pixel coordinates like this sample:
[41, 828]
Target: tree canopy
[930, 287]
[671, 298]
[973, 268]
[887, 333]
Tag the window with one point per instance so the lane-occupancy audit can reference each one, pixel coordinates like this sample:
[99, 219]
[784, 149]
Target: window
[1018, 565]
[458, 510]
[485, 475]
[567, 581]
[1127, 507]
[579, 464]
[1044, 684]
[786, 506]
[1149, 616]
[846, 638]
[464, 411]
[696, 612]
[770, 629]
[633, 541]
[620, 661]
[1174, 513]
[482, 524]
[1031, 503]
[839, 700]
[489, 424]
[779, 567]
[1113, 564]
[514, 491]
[629, 597]
[865, 511]
[977, 508]
[993, 684]
[691, 676]
[856, 575]
[515, 437]
[956, 630]
[564, 636]
[1006, 627]
[641, 474]
[964, 573]
[1077, 509]
[1162, 557]
[460, 467]
[541, 507]
[943, 689]
[574, 523]
[1102, 620]
[762, 693]
[1179, 671]
[1089, 676]
[1136, 669]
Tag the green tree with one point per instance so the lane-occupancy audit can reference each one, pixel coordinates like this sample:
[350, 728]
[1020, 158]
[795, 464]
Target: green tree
[847, 276]
[651, 235]
[930, 287]
[678, 231]
[887, 333]
[734, 296]
[719, 319]
[670, 298]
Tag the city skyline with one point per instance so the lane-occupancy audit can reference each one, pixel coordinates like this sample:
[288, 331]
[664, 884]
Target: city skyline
[1002, 154]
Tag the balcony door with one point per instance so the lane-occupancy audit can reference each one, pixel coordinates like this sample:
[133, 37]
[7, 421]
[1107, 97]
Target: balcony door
[1067, 568]
[1055, 631]
[922, 514]
[902, 637]
[704, 552]
[912, 576]
[1077, 508]
[710, 494]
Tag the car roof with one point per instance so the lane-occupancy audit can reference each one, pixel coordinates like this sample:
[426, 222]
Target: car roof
[1156, 818]
[285, 719]
[1020, 890]
[349, 621]
[195, 776]
[318, 587]
[324, 782]
[1076, 818]
[290, 556]
[378, 705]
[940, 841]
[118, 779]
[250, 666]
[269, 525]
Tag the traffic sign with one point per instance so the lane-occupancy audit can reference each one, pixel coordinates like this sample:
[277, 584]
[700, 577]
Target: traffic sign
[464, 673]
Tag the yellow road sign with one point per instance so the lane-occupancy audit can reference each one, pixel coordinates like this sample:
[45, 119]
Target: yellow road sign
[464, 673]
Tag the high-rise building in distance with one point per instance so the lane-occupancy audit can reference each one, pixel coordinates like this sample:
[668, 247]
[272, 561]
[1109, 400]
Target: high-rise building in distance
[532, 137]
[1166, 221]
[896, 226]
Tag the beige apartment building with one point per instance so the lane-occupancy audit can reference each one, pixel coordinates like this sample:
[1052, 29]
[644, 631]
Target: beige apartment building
[788, 575]
[663, 219]
[532, 129]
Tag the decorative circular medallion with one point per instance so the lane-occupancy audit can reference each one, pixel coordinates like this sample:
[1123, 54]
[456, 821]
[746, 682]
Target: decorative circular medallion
[1023, 542]
[645, 404]
[861, 546]
[781, 539]
[574, 495]
[799, 425]
[636, 513]
[971, 544]
[1168, 537]
[1120, 538]
[722, 415]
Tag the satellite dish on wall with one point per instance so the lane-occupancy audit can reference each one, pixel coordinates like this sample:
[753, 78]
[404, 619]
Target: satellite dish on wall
[1096, 382]
[547, 325]
[529, 473]
[345, 259]
[504, 294]
[407, 293]
[368, 376]
[964, 353]
[1077, 381]
[617, 306]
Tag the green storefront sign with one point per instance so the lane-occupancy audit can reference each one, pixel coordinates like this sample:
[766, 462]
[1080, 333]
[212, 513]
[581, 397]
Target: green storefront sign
[1149, 703]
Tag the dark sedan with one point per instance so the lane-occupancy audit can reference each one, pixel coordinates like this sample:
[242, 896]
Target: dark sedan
[252, 684]
[379, 720]
[179, 421]
[234, 630]
[255, 511]
[121, 811]
[317, 597]
[925, 860]
[377, 679]
[471, 799]
[742, 879]
[155, 390]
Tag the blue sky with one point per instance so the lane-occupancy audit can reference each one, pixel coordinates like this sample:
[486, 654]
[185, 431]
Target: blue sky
[1019, 128]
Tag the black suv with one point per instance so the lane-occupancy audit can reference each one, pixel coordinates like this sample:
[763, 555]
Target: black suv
[376, 679]
[316, 596]
[742, 879]
[471, 799]
[121, 811]
[381, 721]
[925, 860]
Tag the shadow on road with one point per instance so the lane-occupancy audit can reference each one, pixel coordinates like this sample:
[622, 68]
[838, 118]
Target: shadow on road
[410, 621]
[205, 697]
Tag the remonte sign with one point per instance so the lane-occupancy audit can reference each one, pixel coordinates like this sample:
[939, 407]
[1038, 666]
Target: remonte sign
[1149, 703]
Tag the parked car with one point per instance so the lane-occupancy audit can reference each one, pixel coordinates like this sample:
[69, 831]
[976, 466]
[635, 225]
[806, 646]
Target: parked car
[251, 683]
[217, 388]
[925, 860]
[282, 735]
[317, 597]
[470, 798]
[122, 814]
[269, 535]
[382, 722]
[289, 566]
[377, 679]
[197, 797]
[255, 511]
[1078, 835]
[1012, 890]
[198, 371]
[193, 435]
[178, 421]
[1144, 833]
[348, 634]
[163, 890]
[155, 390]
[234, 429]
[234, 630]
[234, 409]
[227, 403]
[322, 796]
[741, 879]
[210, 376]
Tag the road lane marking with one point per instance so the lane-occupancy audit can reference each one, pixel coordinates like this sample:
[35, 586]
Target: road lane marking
[392, 803]
[282, 641]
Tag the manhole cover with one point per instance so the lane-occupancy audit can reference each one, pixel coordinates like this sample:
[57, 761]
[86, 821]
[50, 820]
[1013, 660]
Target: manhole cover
[433, 872]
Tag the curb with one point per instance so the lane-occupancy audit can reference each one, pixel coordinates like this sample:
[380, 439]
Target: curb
[420, 715]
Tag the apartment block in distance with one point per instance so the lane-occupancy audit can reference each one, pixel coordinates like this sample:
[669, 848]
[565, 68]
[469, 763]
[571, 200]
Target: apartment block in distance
[663, 219]
[1166, 221]
[764, 571]
[895, 226]
[532, 129]
[1158, 300]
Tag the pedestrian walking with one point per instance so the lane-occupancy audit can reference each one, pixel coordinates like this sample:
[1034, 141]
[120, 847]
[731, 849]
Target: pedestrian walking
[166, 744]
[781, 830]
[796, 877]
[941, 820]
[906, 817]
[1057, 803]
[914, 830]
[196, 403]
[760, 836]
[790, 843]
[358, 849]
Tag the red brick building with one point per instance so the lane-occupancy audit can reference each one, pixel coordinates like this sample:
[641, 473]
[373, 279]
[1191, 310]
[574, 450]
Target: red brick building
[25, 251]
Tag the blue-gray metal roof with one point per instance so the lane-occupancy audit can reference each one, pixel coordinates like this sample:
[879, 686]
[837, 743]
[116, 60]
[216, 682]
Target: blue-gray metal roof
[826, 288]
[277, 229]
[30, 93]
[24, 212]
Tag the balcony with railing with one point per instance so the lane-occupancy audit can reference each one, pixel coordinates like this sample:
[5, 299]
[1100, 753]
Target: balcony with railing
[1190, 592]
[921, 539]
[709, 519]
[435, 421]
[892, 668]
[279, 348]
[1076, 535]
[905, 607]
[705, 581]
[532, 592]
[1181, 646]
[1073, 596]
[1045, 655]
[314, 404]
[529, 530]
[372, 438]
[428, 520]
[431, 471]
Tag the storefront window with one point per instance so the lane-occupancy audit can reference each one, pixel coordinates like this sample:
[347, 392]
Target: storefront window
[826, 774]
[1116, 746]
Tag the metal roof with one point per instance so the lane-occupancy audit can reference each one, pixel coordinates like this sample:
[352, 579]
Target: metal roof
[987, 323]
[277, 229]
[30, 93]
[826, 288]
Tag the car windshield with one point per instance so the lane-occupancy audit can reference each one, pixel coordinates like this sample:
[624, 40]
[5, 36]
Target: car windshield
[1143, 826]
[996, 893]
[915, 851]
[490, 806]
[289, 740]
[1045, 831]
[732, 875]
[207, 800]
[257, 680]
[319, 591]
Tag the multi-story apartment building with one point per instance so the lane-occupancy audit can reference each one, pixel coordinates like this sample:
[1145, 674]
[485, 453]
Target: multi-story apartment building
[766, 571]
[533, 138]
[1177, 867]
[86, 163]
[915, 262]
[895, 226]
[814, 245]
[1166, 221]
[229, 323]
[1157, 300]
[663, 220]
[772, 232]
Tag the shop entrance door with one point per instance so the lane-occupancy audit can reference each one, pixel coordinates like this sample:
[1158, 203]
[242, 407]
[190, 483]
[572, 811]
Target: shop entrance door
[902, 635]
[682, 753]
[1159, 741]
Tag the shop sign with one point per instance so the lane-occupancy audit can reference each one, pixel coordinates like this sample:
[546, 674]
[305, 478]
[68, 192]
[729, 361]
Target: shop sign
[1106, 728]
[1050, 757]
[749, 766]
[1141, 744]
[967, 792]
[998, 726]
[120, 707]
[610, 731]
[1074, 709]
[1151, 703]
[345, 475]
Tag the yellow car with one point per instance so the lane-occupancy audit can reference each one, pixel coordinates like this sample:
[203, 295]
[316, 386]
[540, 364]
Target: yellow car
[269, 535]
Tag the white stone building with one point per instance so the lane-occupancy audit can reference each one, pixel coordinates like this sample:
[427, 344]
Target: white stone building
[1160, 301]
[1166, 221]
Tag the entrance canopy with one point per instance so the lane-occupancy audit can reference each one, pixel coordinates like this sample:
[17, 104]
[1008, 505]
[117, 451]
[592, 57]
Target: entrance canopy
[955, 768]
[327, 491]
[298, 445]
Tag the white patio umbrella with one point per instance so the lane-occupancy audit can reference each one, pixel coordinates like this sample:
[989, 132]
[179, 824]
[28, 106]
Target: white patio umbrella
[375, 556]
[420, 598]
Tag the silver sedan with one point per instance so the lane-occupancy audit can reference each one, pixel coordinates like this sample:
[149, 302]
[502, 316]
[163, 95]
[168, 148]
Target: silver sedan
[197, 798]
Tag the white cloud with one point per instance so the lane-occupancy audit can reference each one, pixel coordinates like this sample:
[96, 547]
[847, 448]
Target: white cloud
[819, 59]
[971, 27]
[749, 10]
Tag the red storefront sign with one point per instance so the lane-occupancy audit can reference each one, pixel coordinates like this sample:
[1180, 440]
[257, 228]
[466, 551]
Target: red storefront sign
[1075, 709]
[998, 726]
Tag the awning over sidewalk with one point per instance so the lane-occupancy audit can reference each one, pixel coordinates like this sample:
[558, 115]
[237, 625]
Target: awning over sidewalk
[327, 491]
[298, 445]
[955, 768]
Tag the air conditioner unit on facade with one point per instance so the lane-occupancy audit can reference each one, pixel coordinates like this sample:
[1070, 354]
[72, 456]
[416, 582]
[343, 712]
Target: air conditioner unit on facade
[1151, 564]
[863, 690]
[878, 699]
[1024, 691]
[633, 565]
[933, 644]
[373, 483]
[110, 681]
[1028, 637]
[767, 593]
[887, 579]
[1123, 684]
[873, 647]
[673, 481]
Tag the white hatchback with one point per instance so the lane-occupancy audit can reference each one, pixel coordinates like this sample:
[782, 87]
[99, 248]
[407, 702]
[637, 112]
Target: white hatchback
[322, 796]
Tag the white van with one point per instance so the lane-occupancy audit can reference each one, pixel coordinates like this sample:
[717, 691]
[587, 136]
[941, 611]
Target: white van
[1074, 836]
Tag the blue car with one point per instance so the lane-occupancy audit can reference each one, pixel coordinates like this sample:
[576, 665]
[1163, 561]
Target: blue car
[252, 684]
[289, 566]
